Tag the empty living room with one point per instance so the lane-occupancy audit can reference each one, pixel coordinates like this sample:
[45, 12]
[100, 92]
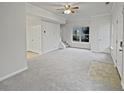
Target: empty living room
[61, 45]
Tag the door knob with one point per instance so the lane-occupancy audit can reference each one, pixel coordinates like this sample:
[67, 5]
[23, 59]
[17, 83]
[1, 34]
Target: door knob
[44, 31]
[121, 43]
[120, 50]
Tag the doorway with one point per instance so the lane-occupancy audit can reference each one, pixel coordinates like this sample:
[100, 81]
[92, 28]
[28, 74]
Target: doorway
[33, 36]
[117, 38]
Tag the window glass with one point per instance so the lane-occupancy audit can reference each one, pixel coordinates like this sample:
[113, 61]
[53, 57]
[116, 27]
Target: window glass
[81, 34]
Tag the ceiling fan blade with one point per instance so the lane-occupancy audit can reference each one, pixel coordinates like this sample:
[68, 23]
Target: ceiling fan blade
[107, 3]
[74, 7]
[72, 11]
[67, 6]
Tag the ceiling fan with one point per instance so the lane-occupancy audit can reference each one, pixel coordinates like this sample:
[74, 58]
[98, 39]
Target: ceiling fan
[67, 9]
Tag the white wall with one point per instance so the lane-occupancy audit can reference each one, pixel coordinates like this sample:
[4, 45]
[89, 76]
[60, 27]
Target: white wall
[45, 42]
[46, 15]
[113, 32]
[49, 22]
[27, 34]
[33, 32]
[117, 35]
[12, 39]
[100, 33]
[67, 30]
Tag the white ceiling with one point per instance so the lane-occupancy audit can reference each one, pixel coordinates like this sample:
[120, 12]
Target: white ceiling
[86, 9]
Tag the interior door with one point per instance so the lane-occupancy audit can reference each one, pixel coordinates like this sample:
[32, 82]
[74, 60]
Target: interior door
[36, 39]
[119, 42]
[51, 36]
[104, 35]
[114, 47]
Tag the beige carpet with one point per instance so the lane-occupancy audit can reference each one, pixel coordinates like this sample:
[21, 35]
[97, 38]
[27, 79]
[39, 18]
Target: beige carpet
[105, 73]
[62, 70]
[31, 55]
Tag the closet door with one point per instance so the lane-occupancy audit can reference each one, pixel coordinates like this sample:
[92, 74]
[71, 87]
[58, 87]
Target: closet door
[51, 36]
[114, 39]
[100, 34]
[104, 35]
[36, 39]
[119, 40]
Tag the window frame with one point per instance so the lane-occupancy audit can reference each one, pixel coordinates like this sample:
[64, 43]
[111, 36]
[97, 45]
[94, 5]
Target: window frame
[80, 40]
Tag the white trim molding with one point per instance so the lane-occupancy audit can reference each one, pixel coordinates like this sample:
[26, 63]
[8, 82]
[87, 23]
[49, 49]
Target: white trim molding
[122, 84]
[12, 74]
[50, 50]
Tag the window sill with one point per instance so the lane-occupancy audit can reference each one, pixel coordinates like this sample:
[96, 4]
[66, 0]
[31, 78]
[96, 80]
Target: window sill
[80, 42]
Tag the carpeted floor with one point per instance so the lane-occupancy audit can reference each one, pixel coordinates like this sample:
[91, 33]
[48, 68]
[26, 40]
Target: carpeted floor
[105, 73]
[63, 70]
[31, 55]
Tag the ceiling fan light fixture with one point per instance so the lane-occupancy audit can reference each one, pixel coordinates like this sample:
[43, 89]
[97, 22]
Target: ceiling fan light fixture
[67, 11]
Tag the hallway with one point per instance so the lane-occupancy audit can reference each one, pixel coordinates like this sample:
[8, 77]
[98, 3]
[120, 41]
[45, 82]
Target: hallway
[68, 69]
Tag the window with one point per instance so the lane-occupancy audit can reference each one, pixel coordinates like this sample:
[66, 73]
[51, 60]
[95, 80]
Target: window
[81, 34]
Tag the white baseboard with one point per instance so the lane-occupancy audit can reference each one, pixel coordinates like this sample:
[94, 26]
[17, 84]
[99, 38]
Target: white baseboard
[115, 64]
[12, 74]
[122, 84]
[50, 50]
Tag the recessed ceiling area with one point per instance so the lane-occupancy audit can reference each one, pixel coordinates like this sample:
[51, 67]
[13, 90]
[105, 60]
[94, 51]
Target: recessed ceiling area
[86, 9]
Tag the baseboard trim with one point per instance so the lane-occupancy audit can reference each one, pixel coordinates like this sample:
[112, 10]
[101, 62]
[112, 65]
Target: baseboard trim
[12, 74]
[80, 48]
[115, 65]
[122, 84]
[50, 50]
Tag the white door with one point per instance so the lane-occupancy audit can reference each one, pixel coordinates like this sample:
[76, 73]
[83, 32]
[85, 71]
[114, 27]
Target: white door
[104, 35]
[36, 39]
[114, 50]
[51, 36]
[104, 38]
[119, 41]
